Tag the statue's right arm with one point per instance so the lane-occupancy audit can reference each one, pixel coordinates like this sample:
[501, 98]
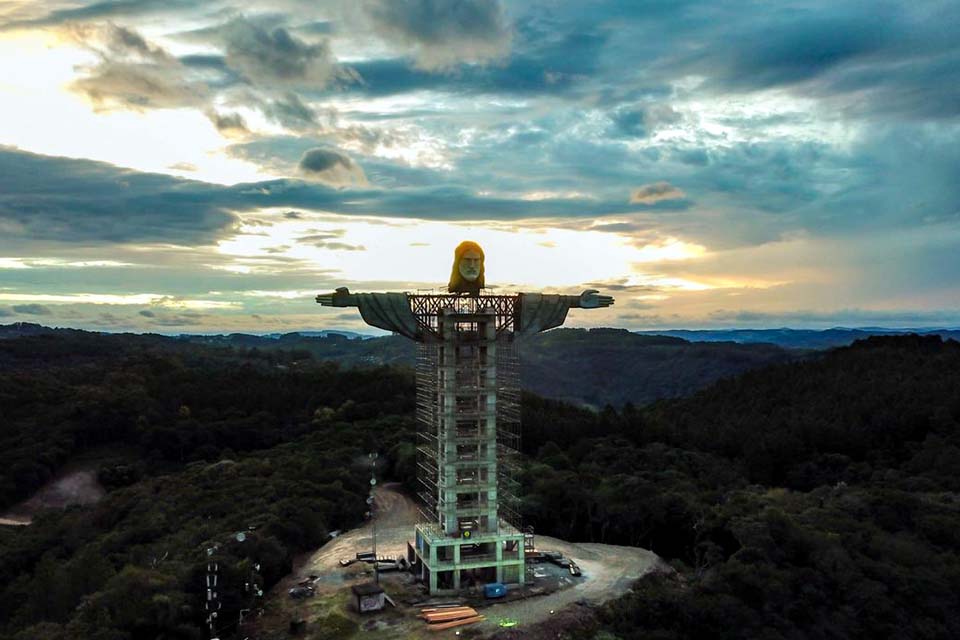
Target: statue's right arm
[339, 298]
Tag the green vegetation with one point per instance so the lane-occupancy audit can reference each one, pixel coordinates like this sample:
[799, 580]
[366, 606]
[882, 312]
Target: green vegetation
[807, 499]
[614, 367]
[262, 443]
[815, 499]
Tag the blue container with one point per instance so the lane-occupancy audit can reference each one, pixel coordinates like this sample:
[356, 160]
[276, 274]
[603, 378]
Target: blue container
[494, 590]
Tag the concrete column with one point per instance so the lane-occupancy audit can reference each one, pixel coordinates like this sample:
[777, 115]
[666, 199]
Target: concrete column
[448, 424]
[522, 569]
[433, 571]
[490, 385]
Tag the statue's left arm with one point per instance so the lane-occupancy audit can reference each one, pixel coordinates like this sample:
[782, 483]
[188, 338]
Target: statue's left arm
[541, 311]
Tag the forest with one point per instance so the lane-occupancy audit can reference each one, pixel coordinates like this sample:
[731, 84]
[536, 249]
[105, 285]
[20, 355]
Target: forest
[811, 498]
[591, 368]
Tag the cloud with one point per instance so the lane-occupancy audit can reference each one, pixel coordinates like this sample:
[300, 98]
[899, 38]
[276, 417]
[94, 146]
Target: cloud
[231, 125]
[133, 73]
[331, 167]
[136, 86]
[94, 11]
[656, 192]
[859, 58]
[48, 198]
[259, 65]
[32, 310]
[441, 34]
[339, 246]
[6, 312]
[66, 200]
[274, 57]
[837, 317]
[551, 64]
[640, 121]
[291, 112]
[630, 123]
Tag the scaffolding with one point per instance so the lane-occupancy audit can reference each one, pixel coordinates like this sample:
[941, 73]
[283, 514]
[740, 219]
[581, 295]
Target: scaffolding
[468, 440]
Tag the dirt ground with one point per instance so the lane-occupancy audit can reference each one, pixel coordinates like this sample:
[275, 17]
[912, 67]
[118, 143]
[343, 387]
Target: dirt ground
[608, 571]
[72, 487]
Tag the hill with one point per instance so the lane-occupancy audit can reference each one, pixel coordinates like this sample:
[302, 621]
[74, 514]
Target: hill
[809, 499]
[812, 498]
[592, 368]
[598, 367]
[798, 338]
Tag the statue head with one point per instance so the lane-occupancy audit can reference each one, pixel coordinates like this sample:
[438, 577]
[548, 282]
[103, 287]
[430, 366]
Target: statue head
[467, 274]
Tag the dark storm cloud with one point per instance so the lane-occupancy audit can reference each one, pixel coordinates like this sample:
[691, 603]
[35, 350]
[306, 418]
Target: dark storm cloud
[784, 51]
[32, 310]
[441, 34]
[52, 198]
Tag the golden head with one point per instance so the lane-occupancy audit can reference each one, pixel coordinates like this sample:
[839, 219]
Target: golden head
[467, 273]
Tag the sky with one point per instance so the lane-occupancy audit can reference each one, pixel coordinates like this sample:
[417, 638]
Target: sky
[179, 166]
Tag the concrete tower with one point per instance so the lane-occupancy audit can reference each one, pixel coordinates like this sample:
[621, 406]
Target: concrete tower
[468, 414]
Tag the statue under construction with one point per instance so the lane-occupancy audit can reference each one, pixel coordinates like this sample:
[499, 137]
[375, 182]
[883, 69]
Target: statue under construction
[468, 414]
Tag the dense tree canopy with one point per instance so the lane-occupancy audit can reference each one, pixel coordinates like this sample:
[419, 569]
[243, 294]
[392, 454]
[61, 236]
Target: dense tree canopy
[816, 498]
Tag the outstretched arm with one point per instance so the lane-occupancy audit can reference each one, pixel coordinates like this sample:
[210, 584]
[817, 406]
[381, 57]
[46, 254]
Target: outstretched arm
[539, 312]
[590, 299]
[388, 311]
[339, 298]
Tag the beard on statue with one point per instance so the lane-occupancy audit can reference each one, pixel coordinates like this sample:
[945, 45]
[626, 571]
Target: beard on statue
[467, 273]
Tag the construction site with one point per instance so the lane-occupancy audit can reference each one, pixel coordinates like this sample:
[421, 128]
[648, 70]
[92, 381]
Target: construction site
[461, 557]
[549, 588]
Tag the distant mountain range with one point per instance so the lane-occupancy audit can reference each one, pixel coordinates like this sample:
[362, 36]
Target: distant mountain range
[587, 367]
[797, 338]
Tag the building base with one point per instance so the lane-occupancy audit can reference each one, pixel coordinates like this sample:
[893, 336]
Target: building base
[450, 564]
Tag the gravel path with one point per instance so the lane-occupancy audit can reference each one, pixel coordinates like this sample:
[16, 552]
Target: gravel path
[396, 514]
[608, 570]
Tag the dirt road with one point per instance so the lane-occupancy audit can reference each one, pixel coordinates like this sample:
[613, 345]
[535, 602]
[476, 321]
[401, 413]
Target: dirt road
[73, 487]
[608, 570]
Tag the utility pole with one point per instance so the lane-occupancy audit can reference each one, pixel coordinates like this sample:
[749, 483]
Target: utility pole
[372, 501]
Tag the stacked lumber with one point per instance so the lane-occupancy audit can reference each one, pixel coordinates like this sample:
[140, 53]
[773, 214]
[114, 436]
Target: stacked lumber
[439, 618]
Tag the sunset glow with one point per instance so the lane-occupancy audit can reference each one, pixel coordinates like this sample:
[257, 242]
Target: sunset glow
[236, 160]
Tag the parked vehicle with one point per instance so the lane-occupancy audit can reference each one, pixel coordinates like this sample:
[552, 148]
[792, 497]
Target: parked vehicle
[298, 593]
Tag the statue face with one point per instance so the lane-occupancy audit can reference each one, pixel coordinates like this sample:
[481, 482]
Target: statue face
[470, 264]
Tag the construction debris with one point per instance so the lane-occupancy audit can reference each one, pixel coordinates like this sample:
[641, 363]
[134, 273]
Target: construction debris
[449, 617]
